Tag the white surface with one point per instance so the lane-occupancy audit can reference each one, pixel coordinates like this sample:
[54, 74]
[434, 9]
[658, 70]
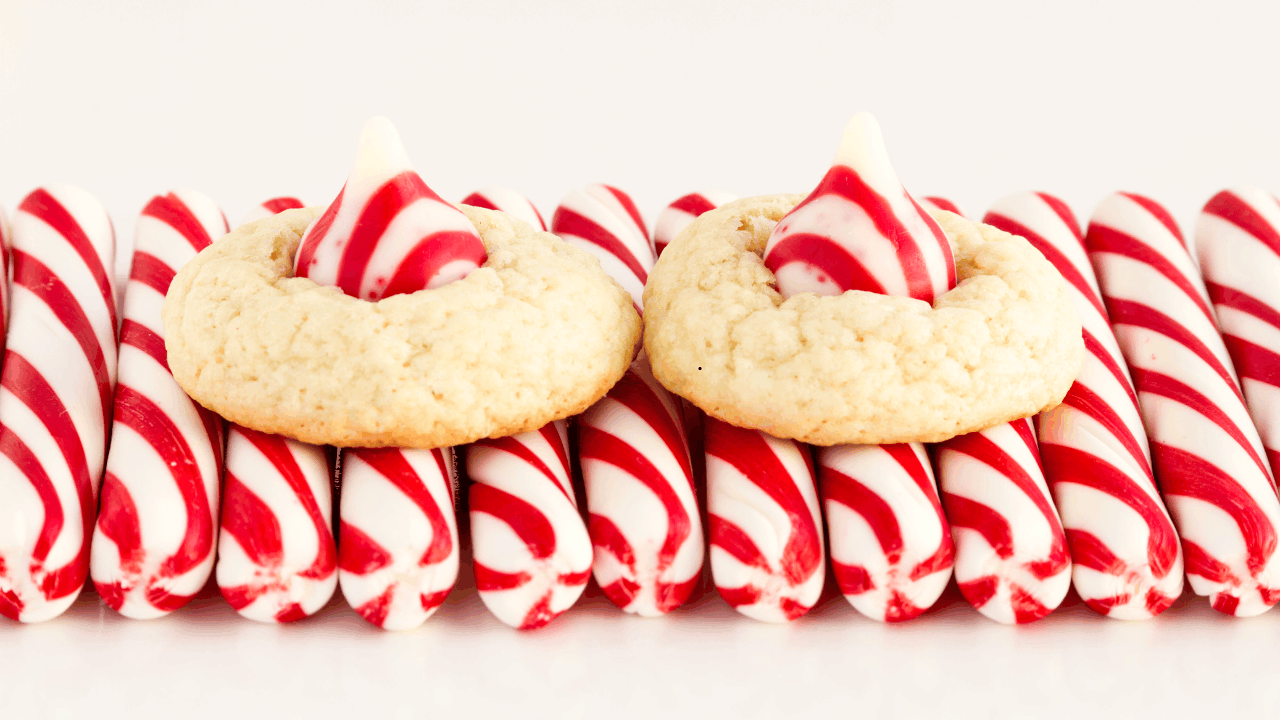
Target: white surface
[243, 102]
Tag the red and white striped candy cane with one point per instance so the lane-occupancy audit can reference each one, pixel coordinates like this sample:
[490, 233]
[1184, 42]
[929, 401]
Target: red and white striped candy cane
[398, 535]
[272, 206]
[604, 221]
[765, 524]
[1126, 560]
[1238, 243]
[860, 229]
[507, 201]
[55, 398]
[644, 519]
[532, 552]
[387, 232]
[682, 211]
[276, 556]
[891, 549]
[940, 203]
[1208, 458]
[1011, 552]
[153, 545]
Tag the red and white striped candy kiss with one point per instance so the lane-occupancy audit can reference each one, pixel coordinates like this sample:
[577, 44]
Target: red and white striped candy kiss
[273, 206]
[507, 201]
[891, 549]
[153, 546]
[859, 229]
[604, 221]
[644, 519]
[55, 398]
[1011, 552]
[277, 561]
[765, 525]
[532, 552]
[682, 211]
[387, 232]
[1238, 243]
[1208, 458]
[398, 537]
[1126, 560]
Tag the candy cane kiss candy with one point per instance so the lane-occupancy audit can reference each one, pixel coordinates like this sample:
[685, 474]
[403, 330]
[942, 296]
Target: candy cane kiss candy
[507, 201]
[605, 222]
[1126, 560]
[532, 552]
[860, 230]
[1238, 244]
[272, 206]
[153, 545]
[1209, 461]
[55, 398]
[682, 211]
[389, 233]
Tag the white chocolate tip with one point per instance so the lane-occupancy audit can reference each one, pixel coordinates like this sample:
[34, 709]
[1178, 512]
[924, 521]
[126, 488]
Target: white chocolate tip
[862, 149]
[380, 151]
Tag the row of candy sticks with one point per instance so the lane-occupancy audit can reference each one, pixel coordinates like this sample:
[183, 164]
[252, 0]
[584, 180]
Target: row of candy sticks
[1174, 408]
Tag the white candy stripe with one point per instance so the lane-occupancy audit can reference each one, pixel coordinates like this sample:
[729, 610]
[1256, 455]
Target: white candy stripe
[276, 556]
[602, 220]
[398, 536]
[639, 483]
[890, 545]
[532, 552]
[154, 541]
[860, 230]
[1011, 553]
[55, 398]
[272, 206]
[1207, 456]
[387, 232]
[765, 523]
[1126, 559]
[1238, 244]
[508, 201]
[684, 210]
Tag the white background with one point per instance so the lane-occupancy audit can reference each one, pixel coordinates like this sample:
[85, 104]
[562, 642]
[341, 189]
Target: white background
[243, 102]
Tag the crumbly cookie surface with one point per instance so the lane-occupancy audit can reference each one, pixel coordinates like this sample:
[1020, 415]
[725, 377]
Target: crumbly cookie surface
[858, 367]
[536, 334]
